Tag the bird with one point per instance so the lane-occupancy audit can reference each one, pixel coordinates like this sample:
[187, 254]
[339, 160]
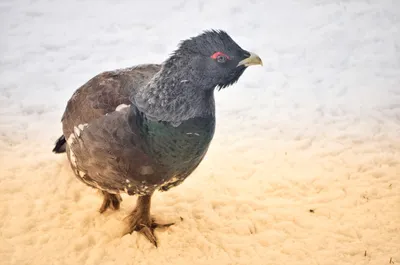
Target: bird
[160, 130]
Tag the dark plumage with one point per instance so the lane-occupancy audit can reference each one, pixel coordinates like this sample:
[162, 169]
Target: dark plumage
[162, 136]
[101, 95]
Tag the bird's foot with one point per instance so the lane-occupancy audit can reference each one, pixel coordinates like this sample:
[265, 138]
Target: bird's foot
[145, 225]
[110, 201]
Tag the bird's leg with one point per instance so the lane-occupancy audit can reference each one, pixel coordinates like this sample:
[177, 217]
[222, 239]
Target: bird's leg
[140, 220]
[110, 201]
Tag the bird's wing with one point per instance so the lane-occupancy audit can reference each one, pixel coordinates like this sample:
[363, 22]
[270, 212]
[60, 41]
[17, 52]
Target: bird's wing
[108, 154]
[104, 93]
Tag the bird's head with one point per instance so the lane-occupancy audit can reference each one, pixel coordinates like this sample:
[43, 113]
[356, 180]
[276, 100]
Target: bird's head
[212, 59]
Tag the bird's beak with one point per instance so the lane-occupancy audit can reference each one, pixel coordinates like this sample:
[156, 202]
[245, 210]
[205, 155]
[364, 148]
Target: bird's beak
[253, 59]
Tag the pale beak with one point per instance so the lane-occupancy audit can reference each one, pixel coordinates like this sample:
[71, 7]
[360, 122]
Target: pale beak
[254, 59]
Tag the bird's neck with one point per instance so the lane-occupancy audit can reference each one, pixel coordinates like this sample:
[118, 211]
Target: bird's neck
[172, 98]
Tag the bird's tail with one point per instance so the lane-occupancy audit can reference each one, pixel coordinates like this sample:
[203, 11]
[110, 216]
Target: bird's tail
[60, 145]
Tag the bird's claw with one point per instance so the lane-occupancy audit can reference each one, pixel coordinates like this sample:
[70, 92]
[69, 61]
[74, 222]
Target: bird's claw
[148, 232]
[110, 201]
[146, 227]
[157, 225]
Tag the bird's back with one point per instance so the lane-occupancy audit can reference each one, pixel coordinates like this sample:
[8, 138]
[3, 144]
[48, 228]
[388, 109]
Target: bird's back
[104, 93]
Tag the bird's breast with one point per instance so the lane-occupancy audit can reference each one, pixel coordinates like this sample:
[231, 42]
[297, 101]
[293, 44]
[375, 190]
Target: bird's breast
[180, 148]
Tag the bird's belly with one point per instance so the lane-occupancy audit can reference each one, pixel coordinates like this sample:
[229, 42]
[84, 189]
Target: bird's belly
[159, 156]
[179, 174]
[181, 149]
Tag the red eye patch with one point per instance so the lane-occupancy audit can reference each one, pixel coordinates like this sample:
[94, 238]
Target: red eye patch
[215, 55]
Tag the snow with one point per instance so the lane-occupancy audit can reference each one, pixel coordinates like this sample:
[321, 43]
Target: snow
[304, 167]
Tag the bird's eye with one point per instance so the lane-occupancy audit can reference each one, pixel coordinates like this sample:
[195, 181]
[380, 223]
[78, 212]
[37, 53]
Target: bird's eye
[221, 59]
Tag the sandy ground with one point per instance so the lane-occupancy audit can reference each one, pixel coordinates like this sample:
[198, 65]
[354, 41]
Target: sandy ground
[304, 167]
